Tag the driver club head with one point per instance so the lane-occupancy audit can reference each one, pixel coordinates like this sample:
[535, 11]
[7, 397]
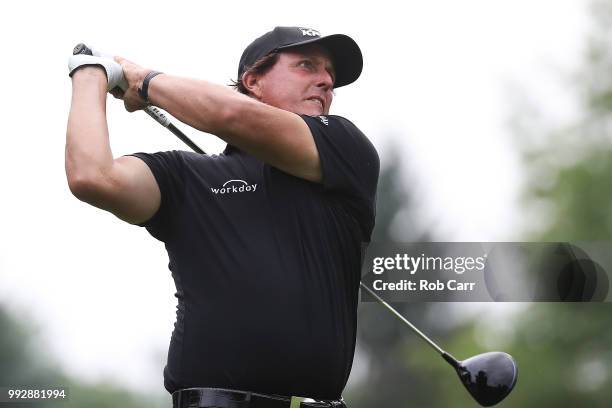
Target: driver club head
[488, 377]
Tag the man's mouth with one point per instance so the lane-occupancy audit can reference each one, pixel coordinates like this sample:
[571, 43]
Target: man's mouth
[318, 100]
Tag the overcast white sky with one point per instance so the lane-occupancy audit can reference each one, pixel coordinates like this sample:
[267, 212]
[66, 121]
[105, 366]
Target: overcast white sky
[435, 80]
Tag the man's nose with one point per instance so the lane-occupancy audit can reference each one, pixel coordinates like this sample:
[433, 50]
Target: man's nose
[325, 80]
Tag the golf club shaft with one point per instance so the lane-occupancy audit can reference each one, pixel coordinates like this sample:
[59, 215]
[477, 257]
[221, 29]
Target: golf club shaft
[150, 110]
[165, 122]
[403, 319]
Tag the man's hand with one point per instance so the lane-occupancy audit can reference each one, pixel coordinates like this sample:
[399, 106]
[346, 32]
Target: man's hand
[134, 75]
[113, 70]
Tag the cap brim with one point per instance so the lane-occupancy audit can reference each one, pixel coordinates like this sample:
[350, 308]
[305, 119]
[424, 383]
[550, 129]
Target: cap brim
[345, 53]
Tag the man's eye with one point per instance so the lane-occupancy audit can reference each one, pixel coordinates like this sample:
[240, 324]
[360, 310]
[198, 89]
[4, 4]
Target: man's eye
[305, 63]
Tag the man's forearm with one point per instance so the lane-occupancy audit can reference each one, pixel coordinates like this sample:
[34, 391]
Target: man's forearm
[273, 135]
[200, 104]
[87, 144]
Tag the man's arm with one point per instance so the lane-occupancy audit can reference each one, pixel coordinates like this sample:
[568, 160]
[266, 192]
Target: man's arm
[124, 186]
[275, 136]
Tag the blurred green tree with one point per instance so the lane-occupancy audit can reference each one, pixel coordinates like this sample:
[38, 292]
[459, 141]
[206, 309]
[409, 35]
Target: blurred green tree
[24, 363]
[392, 378]
[569, 165]
[566, 348]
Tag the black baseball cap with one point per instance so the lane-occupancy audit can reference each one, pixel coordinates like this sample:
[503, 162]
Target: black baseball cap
[344, 51]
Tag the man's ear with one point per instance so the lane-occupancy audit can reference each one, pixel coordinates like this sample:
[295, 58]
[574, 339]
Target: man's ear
[252, 82]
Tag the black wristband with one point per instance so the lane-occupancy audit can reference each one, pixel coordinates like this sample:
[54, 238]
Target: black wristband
[144, 91]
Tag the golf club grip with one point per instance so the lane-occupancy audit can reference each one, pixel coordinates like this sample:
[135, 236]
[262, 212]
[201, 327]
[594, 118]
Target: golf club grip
[163, 120]
[81, 48]
[159, 117]
[152, 111]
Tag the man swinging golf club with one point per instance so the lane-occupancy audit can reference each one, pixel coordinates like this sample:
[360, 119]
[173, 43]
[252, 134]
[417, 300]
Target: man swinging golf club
[265, 239]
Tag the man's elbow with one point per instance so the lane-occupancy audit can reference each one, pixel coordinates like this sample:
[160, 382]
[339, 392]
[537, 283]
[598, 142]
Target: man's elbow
[88, 188]
[81, 187]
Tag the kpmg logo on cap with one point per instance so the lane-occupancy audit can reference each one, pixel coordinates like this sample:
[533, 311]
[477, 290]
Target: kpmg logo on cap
[234, 186]
[310, 32]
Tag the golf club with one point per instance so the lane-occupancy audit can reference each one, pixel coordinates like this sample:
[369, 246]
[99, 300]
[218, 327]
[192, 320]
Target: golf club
[150, 110]
[488, 377]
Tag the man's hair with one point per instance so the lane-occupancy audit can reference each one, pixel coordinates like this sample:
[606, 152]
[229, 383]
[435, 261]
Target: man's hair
[260, 67]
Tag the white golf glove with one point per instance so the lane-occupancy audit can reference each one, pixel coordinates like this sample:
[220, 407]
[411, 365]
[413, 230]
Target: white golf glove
[114, 72]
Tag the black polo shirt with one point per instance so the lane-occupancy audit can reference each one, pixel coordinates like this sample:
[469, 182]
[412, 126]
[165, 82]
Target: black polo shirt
[266, 265]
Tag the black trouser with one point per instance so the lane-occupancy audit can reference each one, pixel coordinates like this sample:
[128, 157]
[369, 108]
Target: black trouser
[224, 398]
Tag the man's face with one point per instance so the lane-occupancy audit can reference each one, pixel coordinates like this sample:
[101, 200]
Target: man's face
[301, 81]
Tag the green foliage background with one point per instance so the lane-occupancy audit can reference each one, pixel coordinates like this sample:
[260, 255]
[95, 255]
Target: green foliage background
[564, 351]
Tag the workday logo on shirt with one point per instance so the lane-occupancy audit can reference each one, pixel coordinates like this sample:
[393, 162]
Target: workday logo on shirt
[234, 186]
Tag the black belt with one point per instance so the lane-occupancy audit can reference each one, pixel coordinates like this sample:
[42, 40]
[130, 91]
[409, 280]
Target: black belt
[222, 398]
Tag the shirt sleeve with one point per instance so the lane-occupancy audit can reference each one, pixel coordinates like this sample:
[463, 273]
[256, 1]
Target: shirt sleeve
[349, 167]
[167, 168]
[349, 162]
